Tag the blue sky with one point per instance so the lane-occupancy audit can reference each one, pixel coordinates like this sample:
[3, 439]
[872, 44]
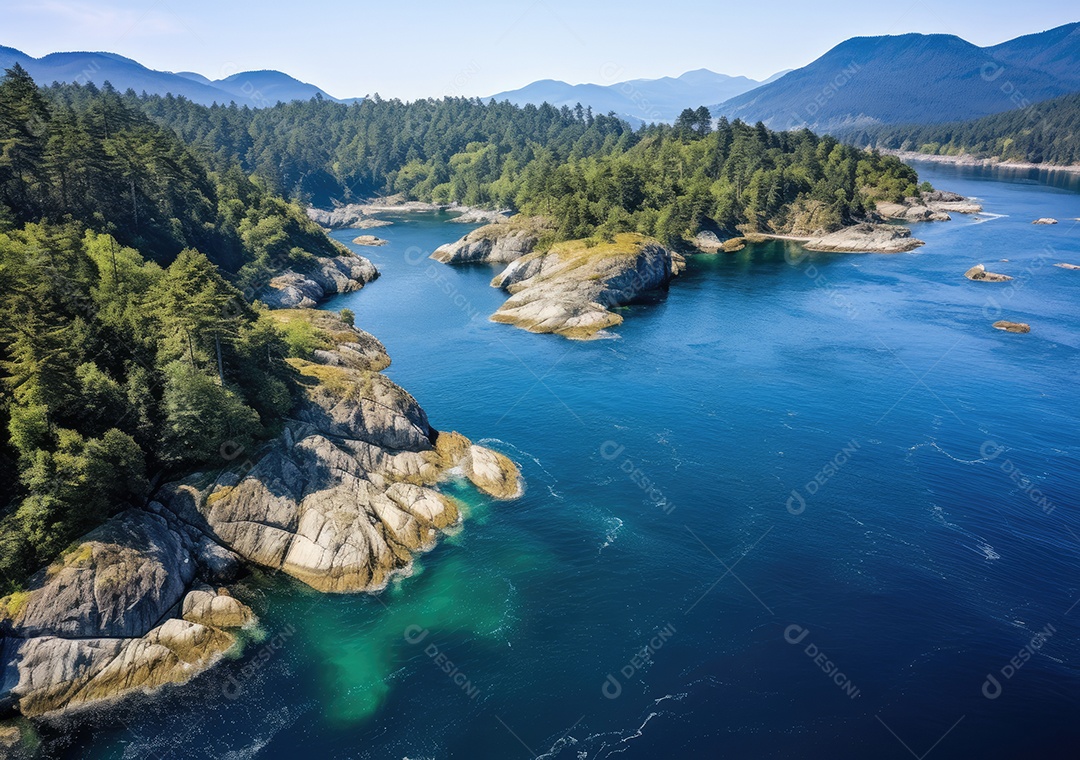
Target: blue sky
[416, 48]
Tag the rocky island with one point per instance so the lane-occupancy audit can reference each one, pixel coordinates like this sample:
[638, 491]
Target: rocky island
[570, 288]
[341, 500]
[369, 240]
[499, 243]
[866, 238]
[928, 206]
[978, 273]
[1013, 327]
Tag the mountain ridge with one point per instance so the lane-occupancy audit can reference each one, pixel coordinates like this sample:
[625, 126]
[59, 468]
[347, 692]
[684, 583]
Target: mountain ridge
[914, 78]
[256, 89]
[638, 101]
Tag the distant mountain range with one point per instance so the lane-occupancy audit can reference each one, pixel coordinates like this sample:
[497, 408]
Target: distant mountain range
[256, 89]
[914, 78]
[860, 83]
[637, 100]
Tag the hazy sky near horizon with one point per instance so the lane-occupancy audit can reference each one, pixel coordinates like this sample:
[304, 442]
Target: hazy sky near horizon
[421, 48]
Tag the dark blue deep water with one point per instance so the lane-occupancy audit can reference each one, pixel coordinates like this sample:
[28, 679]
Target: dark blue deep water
[837, 451]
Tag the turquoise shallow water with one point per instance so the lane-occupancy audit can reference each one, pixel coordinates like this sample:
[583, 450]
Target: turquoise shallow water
[834, 450]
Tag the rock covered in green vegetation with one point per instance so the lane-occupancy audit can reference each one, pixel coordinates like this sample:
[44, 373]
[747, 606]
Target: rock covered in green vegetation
[866, 238]
[499, 243]
[571, 288]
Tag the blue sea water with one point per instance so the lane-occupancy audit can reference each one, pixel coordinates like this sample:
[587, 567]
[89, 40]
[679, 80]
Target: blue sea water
[801, 506]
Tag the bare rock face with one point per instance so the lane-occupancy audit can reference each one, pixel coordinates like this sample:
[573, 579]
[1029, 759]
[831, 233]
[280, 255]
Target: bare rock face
[570, 288]
[56, 673]
[708, 241]
[499, 243]
[866, 238]
[109, 618]
[118, 583]
[492, 473]
[215, 609]
[341, 274]
[1013, 327]
[1045, 220]
[978, 273]
[1067, 266]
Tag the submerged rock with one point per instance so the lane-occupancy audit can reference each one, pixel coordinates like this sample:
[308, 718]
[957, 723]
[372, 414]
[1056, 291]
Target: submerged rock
[495, 243]
[1013, 327]
[866, 238]
[330, 276]
[979, 274]
[570, 288]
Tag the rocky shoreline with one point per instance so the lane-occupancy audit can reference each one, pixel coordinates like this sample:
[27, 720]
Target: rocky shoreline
[341, 500]
[969, 160]
[866, 238]
[365, 215]
[305, 289]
